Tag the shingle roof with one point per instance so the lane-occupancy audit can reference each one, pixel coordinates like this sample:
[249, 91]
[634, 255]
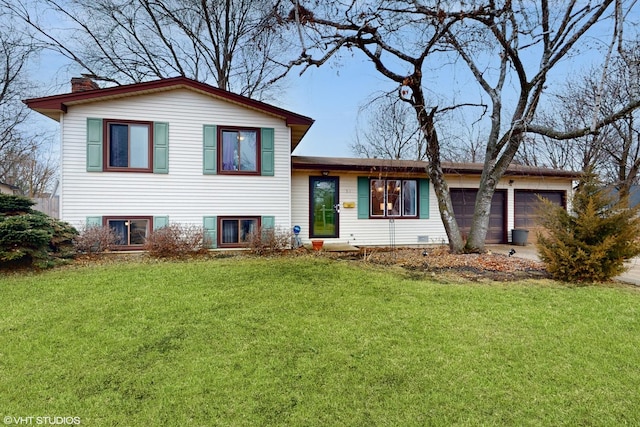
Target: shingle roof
[415, 166]
[13, 187]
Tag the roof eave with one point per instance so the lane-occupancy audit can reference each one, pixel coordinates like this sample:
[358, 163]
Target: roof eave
[409, 166]
[57, 104]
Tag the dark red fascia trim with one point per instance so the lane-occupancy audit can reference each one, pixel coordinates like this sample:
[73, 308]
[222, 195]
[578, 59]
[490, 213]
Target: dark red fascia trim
[58, 102]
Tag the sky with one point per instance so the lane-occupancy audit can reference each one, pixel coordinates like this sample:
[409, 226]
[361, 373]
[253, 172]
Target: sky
[331, 95]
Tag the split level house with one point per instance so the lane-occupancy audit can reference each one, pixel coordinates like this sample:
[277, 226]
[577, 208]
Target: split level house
[138, 157]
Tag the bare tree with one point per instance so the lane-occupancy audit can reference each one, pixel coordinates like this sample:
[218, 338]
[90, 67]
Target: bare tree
[14, 54]
[390, 131]
[614, 151]
[571, 109]
[231, 44]
[29, 167]
[19, 162]
[508, 50]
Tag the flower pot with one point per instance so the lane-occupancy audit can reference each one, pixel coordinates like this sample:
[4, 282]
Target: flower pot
[317, 244]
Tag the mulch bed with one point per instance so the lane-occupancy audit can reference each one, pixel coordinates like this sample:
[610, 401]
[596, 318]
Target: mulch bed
[435, 260]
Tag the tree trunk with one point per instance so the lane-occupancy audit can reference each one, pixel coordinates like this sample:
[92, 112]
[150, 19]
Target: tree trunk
[495, 166]
[434, 170]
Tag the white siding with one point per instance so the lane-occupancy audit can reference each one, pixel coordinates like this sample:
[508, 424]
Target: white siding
[378, 232]
[362, 232]
[185, 194]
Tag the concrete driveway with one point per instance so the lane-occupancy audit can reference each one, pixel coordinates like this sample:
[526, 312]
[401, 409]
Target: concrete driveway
[529, 252]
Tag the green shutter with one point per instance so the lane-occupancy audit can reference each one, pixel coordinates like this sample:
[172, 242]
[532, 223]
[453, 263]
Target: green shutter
[160, 221]
[267, 159]
[94, 145]
[209, 155]
[363, 197]
[423, 203]
[94, 221]
[160, 147]
[210, 225]
[268, 222]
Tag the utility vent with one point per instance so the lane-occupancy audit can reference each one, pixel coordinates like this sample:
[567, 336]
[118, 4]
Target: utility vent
[423, 239]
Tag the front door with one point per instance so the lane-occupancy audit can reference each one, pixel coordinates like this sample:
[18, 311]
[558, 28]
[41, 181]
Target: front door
[324, 206]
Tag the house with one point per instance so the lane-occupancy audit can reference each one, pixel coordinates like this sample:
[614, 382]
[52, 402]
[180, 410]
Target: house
[9, 189]
[137, 157]
[386, 202]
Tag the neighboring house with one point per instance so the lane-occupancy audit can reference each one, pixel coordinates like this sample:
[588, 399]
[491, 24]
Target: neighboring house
[139, 156]
[9, 189]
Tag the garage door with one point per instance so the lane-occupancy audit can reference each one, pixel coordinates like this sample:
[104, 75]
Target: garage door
[526, 205]
[464, 199]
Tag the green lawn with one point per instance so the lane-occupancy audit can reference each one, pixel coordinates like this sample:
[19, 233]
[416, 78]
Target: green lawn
[313, 342]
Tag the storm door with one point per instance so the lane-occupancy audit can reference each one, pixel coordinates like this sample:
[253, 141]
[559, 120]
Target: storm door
[324, 206]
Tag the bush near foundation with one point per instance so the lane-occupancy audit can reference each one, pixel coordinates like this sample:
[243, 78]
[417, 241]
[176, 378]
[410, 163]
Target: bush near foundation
[176, 240]
[31, 238]
[95, 239]
[591, 243]
[269, 240]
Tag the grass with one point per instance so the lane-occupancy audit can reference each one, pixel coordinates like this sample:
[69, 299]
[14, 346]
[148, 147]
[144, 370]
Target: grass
[313, 342]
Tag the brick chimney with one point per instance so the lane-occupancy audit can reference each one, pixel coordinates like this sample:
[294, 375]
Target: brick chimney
[84, 83]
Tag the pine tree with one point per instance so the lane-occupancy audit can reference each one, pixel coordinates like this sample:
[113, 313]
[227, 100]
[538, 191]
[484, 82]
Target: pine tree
[29, 237]
[591, 242]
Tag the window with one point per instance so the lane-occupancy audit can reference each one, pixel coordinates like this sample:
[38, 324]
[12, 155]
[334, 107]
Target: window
[131, 231]
[239, 150]
[129, 146]
[235, 232]
[392, 198]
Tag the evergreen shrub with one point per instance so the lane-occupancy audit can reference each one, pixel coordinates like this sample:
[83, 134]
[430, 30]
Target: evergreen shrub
[31, 238]
[591, 241]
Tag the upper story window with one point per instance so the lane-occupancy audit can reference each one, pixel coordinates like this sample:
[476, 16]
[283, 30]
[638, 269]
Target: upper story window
[240, 151]
[391, 198]
[128, 146]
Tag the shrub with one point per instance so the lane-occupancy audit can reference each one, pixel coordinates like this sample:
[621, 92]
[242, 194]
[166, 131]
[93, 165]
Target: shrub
[28, 237]
[176, 240]
[268, 240]
[94, 239]
[15, 205]
[61, 244]
[592, 243]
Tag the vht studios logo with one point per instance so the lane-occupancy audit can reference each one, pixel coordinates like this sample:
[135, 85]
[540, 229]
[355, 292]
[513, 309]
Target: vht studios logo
[9, 420]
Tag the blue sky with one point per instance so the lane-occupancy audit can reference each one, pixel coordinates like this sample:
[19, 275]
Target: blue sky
[332, 95]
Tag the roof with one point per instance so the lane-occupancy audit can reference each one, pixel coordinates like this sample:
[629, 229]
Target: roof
[416, 166]
[13, 187]
[56, 105]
